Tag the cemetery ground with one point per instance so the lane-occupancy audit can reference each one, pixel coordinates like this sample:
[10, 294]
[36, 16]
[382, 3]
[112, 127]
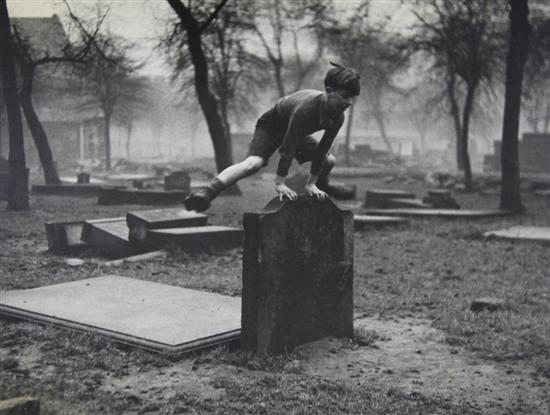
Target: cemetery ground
[417, 347]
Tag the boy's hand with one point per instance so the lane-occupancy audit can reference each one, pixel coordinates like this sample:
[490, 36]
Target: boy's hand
[284, 191]
[313, 190]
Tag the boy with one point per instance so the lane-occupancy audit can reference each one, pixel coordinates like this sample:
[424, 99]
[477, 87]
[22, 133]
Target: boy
[286, 127]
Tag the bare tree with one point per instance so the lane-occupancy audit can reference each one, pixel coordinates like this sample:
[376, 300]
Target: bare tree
[464, 40]
[18, 192]
[195, 22]
[282, 27]
[510, 196]
[30, 60]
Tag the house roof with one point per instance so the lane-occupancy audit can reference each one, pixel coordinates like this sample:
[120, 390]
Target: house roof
[45, 35]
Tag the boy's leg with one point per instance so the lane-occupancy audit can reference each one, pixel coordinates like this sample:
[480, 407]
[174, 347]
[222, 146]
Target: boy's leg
[200, 200]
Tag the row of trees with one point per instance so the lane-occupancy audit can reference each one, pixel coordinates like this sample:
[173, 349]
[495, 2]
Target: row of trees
[230, 51]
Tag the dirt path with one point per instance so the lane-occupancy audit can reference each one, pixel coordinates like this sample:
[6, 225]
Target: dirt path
[413, 358]
[410, 358]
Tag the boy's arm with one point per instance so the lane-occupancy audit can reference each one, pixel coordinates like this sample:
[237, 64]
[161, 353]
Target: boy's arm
[288, 145]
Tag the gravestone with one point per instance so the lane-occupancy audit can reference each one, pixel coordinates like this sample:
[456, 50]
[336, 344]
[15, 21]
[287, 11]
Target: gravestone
[297, 275]
[83, 178]
[398, 203]
[110, 236]
[441, 199]
[178, 180]
[64, 238]
[196, 238]
[74, 189]
[379, 198]
[139, 222]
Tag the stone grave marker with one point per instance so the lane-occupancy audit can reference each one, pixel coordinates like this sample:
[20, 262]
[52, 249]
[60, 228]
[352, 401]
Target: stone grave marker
[139, 222]
[178, 180]
[398, 203]
[64, 238]
[71, 189]
[379, 198]
[297, 275]
[196, 238]
[83, 178]
[441, 199]
[111, 237]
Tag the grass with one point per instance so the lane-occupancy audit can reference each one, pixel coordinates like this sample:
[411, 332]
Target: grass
[430, 269]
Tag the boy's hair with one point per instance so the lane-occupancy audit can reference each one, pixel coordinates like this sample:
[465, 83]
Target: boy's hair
[341, 77]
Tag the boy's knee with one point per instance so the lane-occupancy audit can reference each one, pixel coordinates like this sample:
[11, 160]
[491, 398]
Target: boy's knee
[330, 160]
[253, 164]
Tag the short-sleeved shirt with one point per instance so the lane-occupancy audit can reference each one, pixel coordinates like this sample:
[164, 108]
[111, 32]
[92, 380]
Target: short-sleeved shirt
[293, 118]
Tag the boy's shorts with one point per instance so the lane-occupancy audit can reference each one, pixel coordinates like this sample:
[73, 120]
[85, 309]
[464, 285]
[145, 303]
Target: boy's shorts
[268, 138]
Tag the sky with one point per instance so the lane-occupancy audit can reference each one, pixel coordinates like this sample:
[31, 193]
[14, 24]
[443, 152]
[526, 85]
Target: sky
[142, 21]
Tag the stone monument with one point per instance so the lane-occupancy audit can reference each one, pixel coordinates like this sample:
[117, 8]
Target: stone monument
[297, 275]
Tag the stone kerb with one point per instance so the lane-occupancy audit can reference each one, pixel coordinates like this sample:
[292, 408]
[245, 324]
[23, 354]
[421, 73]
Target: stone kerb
[297, 275]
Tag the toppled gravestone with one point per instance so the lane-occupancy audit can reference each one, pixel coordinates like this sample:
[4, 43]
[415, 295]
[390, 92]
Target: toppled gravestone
[297, 275]
[441, 199]
[178, 180]
[381, 198]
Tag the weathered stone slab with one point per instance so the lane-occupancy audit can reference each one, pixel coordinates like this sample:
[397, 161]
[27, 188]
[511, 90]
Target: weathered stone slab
[399, 203]
[522, 233]
[24, 405]
[441, 199]
[83, 178]
[178, 180]
[72, 189]
[196, 238]
[110, 236]
[379, 198]
[140, 197]
[139, 222]
[487, 303]
[297, 275]
[64, 238]
[440, 213]
[361, 222]
[135, 312]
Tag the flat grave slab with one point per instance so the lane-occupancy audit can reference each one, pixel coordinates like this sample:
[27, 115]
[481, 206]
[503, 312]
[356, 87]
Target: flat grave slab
[399, 203]
[379, 198]
[64, 238]
[140, 197]
[373, 221]
[197, 237]
[139, 222]
[139, 313]
[110, 236]
[522, 233]
[71, 189]
[440, 213]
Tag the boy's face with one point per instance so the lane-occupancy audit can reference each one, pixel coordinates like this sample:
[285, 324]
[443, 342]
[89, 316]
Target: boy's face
[338, 99]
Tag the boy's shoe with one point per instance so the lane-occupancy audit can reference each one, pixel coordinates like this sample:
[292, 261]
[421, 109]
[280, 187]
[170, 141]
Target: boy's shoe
[338, 191]
[199, 201]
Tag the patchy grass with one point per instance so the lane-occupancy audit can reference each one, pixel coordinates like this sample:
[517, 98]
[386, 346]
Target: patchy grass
[431, 269]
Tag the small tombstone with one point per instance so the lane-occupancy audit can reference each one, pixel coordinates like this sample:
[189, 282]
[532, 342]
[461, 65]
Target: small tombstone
[297, 275]
[140, 222]
[64, 237]
[137, 184]
[83, 178]
[178, 180]
[110, 236]
[441, 199]
[379, 198]
[487, 303]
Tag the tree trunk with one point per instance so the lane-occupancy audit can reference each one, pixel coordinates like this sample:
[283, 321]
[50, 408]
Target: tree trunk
[128, 138]
[18, 188]
[35, 126]
[510, 196]
[455, 113]
[348, 132]
[468, 104]
[107, 137]
[279, 79]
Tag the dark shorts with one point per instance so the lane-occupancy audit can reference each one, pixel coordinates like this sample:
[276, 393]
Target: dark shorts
[268, 137]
